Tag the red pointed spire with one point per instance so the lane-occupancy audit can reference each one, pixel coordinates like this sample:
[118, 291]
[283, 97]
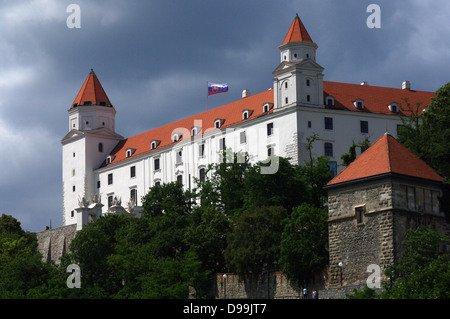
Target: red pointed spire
[385, 156]
[297, 32]
[91, 93]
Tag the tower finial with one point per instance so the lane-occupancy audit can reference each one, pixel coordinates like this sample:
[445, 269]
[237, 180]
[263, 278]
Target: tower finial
[92, 71]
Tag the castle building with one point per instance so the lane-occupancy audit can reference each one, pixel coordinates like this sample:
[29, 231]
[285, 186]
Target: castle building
[372, 203]
[105, 172]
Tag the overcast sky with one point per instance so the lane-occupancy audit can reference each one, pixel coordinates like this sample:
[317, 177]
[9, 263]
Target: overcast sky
[154, 58]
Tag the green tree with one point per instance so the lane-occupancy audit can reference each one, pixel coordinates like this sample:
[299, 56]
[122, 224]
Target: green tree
[304, 243]
[285, 187]
[421, 272]
[349, 157]
[254, 243]
[169, 197]
[21, 266]
[316, 173]
[153, 255]
[90, 250]
[225, 188]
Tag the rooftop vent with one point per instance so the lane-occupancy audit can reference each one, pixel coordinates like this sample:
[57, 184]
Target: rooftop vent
[364, 83]
[245, 93]
[406, 85]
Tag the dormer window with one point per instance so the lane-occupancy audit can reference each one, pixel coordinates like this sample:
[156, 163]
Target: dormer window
[246, 114]
[329, 101]
[393, 107]
[218, 123]
[359, 104]
[176, 137]
[130, 152]
[154, 144]
[267, 107]
[195, 130]
[109, 159]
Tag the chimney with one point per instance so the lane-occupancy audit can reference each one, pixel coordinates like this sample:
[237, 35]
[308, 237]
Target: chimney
[364, 83]
[406, 85]
[245, 93]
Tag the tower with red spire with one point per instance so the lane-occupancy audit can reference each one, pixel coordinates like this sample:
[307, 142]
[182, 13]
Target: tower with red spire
[298, 80]
[90, 139]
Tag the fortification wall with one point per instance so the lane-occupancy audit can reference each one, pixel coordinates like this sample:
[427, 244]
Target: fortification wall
[54, 243]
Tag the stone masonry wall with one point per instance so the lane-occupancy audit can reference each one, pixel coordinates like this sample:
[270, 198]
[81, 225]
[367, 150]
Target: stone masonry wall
[355, 243]
[54, 243]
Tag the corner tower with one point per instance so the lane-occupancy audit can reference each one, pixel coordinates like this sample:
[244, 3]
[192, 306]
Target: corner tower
[90, 139]
[298, 80]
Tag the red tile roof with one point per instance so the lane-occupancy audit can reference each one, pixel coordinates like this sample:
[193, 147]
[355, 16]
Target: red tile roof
[91, 91]
[385, 156]
[376, 98]
[231, 114]
[297, 32]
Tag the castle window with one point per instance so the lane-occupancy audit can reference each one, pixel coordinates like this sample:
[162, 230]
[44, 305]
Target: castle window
[179, 157]
[285, 85]
[156, 164]
[72, 213]
[309, 124]
[267, 107]
[308, 98]
[269, 129]
[308, 82]
[132, 171]
[286, 100]
[393, 107]
[176, 137]
[73, 188]
[222, 144]
[110, 179]
[110, 200]
[130, 152]
[269, 150]
[201, 150]
[218, 123]
[328, 149]
[329, 101]
[332, 166]
[154, 144]
[364, 126]
[100, 147]
[245, 115]
[98, 184]
[359, 104]
[109, 159]
[243, 137]
[328, 123]
[180, 179]
[133, 195]
[359, 214]
[202, 174]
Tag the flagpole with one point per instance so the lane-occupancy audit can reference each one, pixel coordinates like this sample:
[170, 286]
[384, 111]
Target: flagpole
[207, 95]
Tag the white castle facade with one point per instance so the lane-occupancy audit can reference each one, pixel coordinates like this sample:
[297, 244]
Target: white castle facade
[105, 172]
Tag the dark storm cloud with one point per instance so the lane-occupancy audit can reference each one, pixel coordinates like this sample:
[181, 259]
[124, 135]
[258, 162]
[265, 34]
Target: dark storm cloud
[154, 58]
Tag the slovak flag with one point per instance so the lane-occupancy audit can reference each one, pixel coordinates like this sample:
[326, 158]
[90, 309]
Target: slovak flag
[214, 88]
